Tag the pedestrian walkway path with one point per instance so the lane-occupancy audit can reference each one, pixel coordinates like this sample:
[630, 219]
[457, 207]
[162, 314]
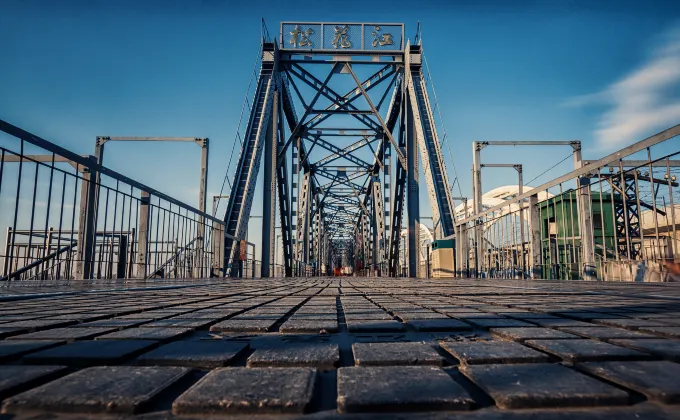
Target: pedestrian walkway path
[340, 347]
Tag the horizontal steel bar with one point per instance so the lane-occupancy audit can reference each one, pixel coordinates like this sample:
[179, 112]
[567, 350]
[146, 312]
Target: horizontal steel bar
[636, 163]
[113, 138]
[613, 157]
[38, 158]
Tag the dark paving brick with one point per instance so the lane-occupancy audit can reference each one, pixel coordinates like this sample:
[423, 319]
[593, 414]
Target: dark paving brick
[408, 316]
[205, 354]
[604, 333]
[315, 317]
[399, 388]
[113, 323]
[664, 348]
[658, 380]
[385, 354]
[309, 326]
[560, 322]
[374, 326]
[665, 331]
[15, 379]
[14, 349]
[34, 325]
[439, 325]
[486, 352]
[522, 334]
[373, 316]
[497, 323]
[587, 316]
[630, 323]
[542, 385]
[160, 334]
[7, 332]
[573, 351]
[262, 325]
[115, 389]
[320, 356]
[178, 323]
[68, 334]
[90, 353]
[249, 390]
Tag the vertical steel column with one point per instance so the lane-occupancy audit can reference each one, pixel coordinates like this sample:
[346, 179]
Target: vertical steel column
[477, 196]
[269, 189]
[535, 237]
[413, 192]
[202, 191]
[520, 191]
[379, 215]
[143, 235]
[585, 225]
[86, 221]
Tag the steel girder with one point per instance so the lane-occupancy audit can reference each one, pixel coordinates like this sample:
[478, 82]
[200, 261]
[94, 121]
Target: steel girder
[241, 197]
[433, 163]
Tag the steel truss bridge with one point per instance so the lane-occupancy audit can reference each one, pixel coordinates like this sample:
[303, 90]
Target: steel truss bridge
[337, 119]
[337, 133]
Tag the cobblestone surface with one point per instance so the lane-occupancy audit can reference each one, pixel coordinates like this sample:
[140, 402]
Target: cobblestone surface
[322, 348]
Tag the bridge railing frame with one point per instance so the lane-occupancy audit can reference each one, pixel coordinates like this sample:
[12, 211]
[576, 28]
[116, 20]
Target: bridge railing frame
[112, 226]
[605, 199]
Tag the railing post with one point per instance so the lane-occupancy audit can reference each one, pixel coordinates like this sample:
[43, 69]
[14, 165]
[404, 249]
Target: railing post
[202, 191]
[584, 206]
[143, 235]
[8, 243]
[535, 236]
[218, 251]
[86, 225]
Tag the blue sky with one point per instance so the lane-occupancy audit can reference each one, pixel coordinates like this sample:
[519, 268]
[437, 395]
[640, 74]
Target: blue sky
[600, 71]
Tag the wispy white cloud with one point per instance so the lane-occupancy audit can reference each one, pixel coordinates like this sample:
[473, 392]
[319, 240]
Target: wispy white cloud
[641, 102]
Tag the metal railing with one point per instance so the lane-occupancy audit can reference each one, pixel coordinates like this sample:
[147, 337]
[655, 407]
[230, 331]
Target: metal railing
[616, 218]
[68, 217]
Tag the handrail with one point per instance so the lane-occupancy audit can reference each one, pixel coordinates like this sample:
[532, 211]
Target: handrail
[634, 148]
[39, 261]
[92, 164]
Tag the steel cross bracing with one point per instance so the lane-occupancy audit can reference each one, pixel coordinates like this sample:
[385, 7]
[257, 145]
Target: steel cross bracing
[343, 123]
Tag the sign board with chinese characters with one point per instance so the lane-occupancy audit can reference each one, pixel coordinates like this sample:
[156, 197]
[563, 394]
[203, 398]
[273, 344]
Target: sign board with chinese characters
[342, 37]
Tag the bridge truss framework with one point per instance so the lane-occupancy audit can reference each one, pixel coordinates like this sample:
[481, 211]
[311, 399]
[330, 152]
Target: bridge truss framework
[346, 206]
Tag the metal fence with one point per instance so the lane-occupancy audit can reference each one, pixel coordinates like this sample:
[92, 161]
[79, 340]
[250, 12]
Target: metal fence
[616, 218]
[68, 217]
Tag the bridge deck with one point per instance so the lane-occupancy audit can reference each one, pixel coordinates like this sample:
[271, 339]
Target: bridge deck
[323, 346]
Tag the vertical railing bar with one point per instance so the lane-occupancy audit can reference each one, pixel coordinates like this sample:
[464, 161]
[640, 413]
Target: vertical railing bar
[115, 235]
[29, 250]
[643, 251]
[670, 194]
[656, 219]
[73, 213]
[46, 252]
[573, 254]
[164, 246]
[562, 256]
[61, 219]
[16, 207]
[132, 255]
[625, 208]
[602, 225]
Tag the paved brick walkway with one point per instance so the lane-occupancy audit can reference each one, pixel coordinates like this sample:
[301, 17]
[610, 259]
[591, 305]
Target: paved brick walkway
[340, 347]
